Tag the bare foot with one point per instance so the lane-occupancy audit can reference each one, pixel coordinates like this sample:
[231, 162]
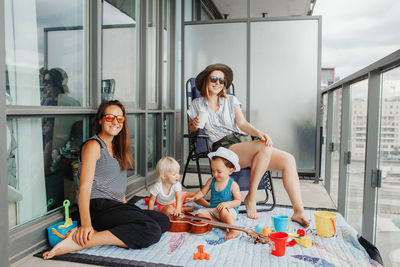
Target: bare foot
[251, 208]
[66, 246]
[301, 219]
[185, 209]
[232, 234]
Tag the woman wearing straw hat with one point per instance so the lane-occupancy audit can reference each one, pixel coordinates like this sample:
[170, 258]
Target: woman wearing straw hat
[226, 126]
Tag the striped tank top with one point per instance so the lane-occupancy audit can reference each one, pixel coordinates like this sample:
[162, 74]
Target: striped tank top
[109, 179]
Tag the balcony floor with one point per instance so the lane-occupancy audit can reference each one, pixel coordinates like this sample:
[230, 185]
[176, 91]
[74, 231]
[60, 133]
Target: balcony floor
[314, 195]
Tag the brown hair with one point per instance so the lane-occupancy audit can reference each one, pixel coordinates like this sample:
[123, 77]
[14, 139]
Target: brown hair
[227, 163]
[202, 78]
[121, 146]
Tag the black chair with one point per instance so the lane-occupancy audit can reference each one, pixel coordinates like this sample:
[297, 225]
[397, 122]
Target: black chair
[198, 149]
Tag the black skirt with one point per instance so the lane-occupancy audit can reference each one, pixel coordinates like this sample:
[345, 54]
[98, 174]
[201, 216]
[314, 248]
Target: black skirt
[135, 227]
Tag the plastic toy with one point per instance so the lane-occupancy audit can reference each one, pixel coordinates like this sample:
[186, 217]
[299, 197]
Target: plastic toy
[201, 255]
[301, 239]
[68, 220]
[266, 231]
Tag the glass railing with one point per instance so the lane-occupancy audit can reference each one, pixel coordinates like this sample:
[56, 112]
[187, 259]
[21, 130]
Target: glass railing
[361, 161]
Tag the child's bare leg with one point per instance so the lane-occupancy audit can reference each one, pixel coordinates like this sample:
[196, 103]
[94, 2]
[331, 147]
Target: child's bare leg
[226, 217]
[167, 210]
[68, 245]
[201, 201]
[186, 209]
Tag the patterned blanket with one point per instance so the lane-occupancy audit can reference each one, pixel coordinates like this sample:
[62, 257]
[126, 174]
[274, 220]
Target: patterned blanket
[177, 249]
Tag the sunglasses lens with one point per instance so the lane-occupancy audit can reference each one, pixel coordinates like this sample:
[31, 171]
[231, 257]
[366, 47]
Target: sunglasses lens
[120, 119]
[109, 117]
[214, 79]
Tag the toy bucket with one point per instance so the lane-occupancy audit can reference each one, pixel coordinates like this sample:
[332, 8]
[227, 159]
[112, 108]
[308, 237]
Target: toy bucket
[279, 244]
[280, 223]
[325, 223]
[56, 235]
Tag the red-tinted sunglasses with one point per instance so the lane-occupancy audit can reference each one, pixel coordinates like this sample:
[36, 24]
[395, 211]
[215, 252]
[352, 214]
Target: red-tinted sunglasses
[111, 117]
[214, 79]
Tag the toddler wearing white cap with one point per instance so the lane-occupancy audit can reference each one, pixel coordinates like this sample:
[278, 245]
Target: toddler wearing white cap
[225, 192]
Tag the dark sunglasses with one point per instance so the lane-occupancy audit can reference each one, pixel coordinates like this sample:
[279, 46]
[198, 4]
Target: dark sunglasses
[111, 117]
[214, 79]
[47, 81]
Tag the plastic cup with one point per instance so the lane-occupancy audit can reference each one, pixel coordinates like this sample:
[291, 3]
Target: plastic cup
[203, 116]
[280, 223]
[278, 243]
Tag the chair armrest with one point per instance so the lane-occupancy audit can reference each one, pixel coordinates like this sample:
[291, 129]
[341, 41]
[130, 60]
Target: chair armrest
[195, 135]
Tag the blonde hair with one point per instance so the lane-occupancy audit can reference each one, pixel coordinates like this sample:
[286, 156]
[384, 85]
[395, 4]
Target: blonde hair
[165, 164]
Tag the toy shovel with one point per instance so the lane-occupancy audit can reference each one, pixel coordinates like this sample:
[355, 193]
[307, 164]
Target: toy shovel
[68, 220]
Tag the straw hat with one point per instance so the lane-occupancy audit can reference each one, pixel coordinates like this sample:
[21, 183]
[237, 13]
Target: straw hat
[201, 79]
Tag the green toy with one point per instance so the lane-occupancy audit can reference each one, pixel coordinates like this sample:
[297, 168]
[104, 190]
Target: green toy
[68, 220]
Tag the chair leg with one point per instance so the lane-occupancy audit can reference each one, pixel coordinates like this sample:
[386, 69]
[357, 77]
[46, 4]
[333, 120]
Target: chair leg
[268, 187]
[199, 173]
[186, 166]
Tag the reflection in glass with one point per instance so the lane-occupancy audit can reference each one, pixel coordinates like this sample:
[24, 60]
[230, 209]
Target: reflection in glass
[167, 136]
[47, 41]
[119, 58]
[336, 128]
[133, 122]
[357, 145]
[43, 164]
[151, 52]
[215, 10]
[166, 55]
[152, 142]
[324, 118]
[388, 218]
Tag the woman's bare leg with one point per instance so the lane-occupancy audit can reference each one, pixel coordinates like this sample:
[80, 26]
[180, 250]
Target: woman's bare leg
[281, 160]
[68, 245]
[256, 155]
[260, 158]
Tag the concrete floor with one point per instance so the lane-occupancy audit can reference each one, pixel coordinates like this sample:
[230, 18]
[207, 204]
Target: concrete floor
[314, 195]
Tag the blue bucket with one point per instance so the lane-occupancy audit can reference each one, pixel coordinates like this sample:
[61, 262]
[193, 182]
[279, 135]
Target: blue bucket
[280, 223]
[54, 239]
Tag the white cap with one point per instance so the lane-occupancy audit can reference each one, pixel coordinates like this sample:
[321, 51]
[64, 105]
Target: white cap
[226, 154]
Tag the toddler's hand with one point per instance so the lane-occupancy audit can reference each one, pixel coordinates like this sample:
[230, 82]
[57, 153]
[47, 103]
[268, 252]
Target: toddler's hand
[177, 211]
[222, 206]
[190, 199]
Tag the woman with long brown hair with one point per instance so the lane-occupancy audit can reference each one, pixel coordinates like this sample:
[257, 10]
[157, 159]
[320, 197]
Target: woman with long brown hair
[106, 217]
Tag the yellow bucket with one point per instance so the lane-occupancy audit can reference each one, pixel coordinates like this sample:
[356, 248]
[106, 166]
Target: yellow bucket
[325, 223]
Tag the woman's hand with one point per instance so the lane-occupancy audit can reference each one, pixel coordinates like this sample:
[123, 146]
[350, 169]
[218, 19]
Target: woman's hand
[265, 138]
[83, 235]
[196, 122]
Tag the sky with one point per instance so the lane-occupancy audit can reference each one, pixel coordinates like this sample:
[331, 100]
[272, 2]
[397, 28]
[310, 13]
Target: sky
[356, 33]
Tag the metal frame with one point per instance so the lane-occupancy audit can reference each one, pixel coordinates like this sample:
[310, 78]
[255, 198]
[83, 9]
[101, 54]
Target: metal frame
[3, 151]
[373, 73]
[371, 158]
[248, 22]
[344, 148]
[24, 239]
[329, 139]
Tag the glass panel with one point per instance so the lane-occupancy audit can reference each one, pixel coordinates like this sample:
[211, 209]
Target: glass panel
[336, 127]
[45, 53]
[167, 135]
[357, 145]
[152, 142]
[133, 126]
[388, 218]
[215, 10]
[284, 85]
[167, 56]
[42, 164]
[120, 58]
[200, 52]
[324, 120]
[151, 50]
